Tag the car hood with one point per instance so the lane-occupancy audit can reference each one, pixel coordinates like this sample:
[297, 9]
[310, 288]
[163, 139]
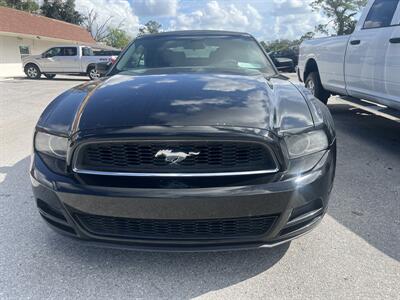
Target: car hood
[179, 99]
[30, 57]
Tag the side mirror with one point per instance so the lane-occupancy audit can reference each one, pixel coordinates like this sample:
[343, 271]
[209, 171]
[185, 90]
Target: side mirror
[103, 67]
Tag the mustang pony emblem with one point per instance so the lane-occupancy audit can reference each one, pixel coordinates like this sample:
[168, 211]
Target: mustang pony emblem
[175, 157]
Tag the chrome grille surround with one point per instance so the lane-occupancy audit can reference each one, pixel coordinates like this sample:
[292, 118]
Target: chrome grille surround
[157, 168]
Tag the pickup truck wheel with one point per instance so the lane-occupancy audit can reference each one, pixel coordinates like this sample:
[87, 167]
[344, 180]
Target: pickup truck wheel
[313, 83]
[93, 74]
[32, 71]
[49, 76]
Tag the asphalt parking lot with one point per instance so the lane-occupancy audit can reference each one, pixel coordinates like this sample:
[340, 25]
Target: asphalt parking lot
[353, 254]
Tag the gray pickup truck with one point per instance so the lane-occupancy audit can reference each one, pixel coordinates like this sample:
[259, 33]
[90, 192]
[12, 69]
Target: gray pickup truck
[68, 59]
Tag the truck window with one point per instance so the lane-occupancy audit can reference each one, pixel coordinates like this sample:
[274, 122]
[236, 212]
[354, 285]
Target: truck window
[87, 51]
[70, 51]
[56, 51]
[381, 14]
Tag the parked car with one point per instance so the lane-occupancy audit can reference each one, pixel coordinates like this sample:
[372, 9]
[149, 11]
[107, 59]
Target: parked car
[100, 52]
[192, 141]
[290, 52]
[112, 53]
[364, 64]
[68, 59]
[282, 64]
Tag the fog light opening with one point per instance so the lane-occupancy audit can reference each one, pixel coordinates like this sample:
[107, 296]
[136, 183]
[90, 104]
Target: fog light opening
[306, 209]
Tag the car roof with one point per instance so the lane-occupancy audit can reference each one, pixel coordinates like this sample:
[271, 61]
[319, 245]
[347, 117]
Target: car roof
[196, 33]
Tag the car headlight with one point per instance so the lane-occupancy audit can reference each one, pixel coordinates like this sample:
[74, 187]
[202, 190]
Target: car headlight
[52, 145]
[307, 143]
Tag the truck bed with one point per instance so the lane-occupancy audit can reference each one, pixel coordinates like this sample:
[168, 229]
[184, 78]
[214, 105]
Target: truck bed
[330, 53]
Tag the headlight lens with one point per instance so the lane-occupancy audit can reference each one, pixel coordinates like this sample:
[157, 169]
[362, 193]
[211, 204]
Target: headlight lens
[306, 143]
[55, 146]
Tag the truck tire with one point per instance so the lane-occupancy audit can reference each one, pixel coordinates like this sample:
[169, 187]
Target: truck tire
[49, 76]
[92, 73]
[313, 83]
[32, 71]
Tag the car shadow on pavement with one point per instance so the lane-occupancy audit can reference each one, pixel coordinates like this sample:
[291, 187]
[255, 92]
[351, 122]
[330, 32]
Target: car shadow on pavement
[171, 275]
[366, 193]
[158, 274]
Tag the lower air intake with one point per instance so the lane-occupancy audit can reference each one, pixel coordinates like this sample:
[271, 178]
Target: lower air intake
[176, 229]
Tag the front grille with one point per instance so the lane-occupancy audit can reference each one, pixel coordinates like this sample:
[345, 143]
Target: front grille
[175, 229]
[210, 156]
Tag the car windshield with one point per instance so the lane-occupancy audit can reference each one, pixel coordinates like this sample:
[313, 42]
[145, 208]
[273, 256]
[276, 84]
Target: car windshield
[239, 53]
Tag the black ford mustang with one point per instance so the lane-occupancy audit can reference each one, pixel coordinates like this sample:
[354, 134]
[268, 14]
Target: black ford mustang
[192, 141]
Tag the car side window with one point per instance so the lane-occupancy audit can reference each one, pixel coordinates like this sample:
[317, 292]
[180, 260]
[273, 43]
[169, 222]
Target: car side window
[381, 14]
[56, 51]
[69, 51]
[86, 51]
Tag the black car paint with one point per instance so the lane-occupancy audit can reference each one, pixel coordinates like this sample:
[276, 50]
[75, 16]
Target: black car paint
[179, 99]
[187, 104]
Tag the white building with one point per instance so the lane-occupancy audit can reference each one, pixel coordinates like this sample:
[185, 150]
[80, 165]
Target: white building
[22, 33]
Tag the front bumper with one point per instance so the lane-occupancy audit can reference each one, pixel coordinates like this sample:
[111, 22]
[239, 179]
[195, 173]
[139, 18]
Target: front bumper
[297, 205]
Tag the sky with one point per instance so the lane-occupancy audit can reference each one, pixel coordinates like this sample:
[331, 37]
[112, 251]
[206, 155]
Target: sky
[265, 19]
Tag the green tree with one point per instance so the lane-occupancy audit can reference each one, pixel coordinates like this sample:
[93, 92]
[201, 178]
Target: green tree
[69, 14]
[278, 45]
[149, 28]
[25, 5]
[117, 38]
[341, 14]
[63, 10]
[307, 36]
[52, 9]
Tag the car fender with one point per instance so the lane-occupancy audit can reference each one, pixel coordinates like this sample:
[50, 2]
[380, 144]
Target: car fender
[309, 58]
[31, 60]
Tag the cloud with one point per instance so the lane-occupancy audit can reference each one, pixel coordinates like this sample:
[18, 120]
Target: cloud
[219, 16]
[292, 19]
[266, 20]
[287, 7]
[155, 7]
[120, 10]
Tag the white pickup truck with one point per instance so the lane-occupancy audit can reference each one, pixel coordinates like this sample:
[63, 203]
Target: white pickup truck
[365, 64]
[69, 59]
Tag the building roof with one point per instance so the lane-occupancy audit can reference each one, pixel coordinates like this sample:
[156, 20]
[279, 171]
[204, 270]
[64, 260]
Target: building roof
[16, 21]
